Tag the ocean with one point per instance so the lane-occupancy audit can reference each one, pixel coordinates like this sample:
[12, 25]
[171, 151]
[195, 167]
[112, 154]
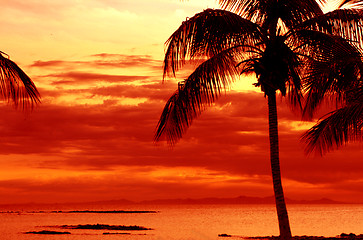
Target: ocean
[180, 222]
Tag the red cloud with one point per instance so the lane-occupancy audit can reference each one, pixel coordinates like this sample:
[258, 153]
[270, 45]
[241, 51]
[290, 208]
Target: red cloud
[104, 60]
[83, 77]
[233, 139]
[230, 137]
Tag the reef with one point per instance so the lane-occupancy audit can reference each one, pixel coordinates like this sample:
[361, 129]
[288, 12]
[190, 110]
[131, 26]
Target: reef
[104, 227]
[47, 232]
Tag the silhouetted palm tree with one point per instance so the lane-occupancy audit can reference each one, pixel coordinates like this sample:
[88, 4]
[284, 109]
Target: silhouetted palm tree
[285, 43]
[15, 85]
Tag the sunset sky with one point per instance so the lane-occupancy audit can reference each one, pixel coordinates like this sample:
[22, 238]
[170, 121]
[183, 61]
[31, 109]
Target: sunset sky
[98, 67]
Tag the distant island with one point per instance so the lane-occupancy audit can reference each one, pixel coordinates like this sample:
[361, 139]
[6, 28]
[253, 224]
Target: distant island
[238, 200]
[176, 201]
[104, 227]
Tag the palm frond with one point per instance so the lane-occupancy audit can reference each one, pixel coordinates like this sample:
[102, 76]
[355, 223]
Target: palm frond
[346, 23]
[322, 3]
[206, 34]
[332, 65]
[341, 4]
[16, 86]
[263, 12]
[198, 91]
[351, 4]
[295, 12]
[336, 129]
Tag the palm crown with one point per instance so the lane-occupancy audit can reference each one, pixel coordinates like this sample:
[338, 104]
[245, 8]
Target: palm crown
[287, 44]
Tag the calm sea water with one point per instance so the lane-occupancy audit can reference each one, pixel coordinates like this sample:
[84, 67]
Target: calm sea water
[188, 222]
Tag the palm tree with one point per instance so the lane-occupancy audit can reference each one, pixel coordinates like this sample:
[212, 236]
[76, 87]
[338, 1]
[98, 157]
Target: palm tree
[285, 43]
[15, 85]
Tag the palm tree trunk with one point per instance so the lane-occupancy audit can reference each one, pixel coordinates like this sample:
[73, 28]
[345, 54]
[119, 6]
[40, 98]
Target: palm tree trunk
[284, 225]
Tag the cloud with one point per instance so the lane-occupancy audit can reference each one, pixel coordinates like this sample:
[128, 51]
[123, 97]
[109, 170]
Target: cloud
[136, 183]
[104, 60]
[96, 70]
[153, 7]
[146, 183]
[71, 131]
[39, 8]
[230, 137]
[74, 78]
[151, 91]
[54, 63]
[123, 60]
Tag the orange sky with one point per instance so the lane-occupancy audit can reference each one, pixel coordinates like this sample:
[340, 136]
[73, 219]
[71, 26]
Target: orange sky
[98, 67]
